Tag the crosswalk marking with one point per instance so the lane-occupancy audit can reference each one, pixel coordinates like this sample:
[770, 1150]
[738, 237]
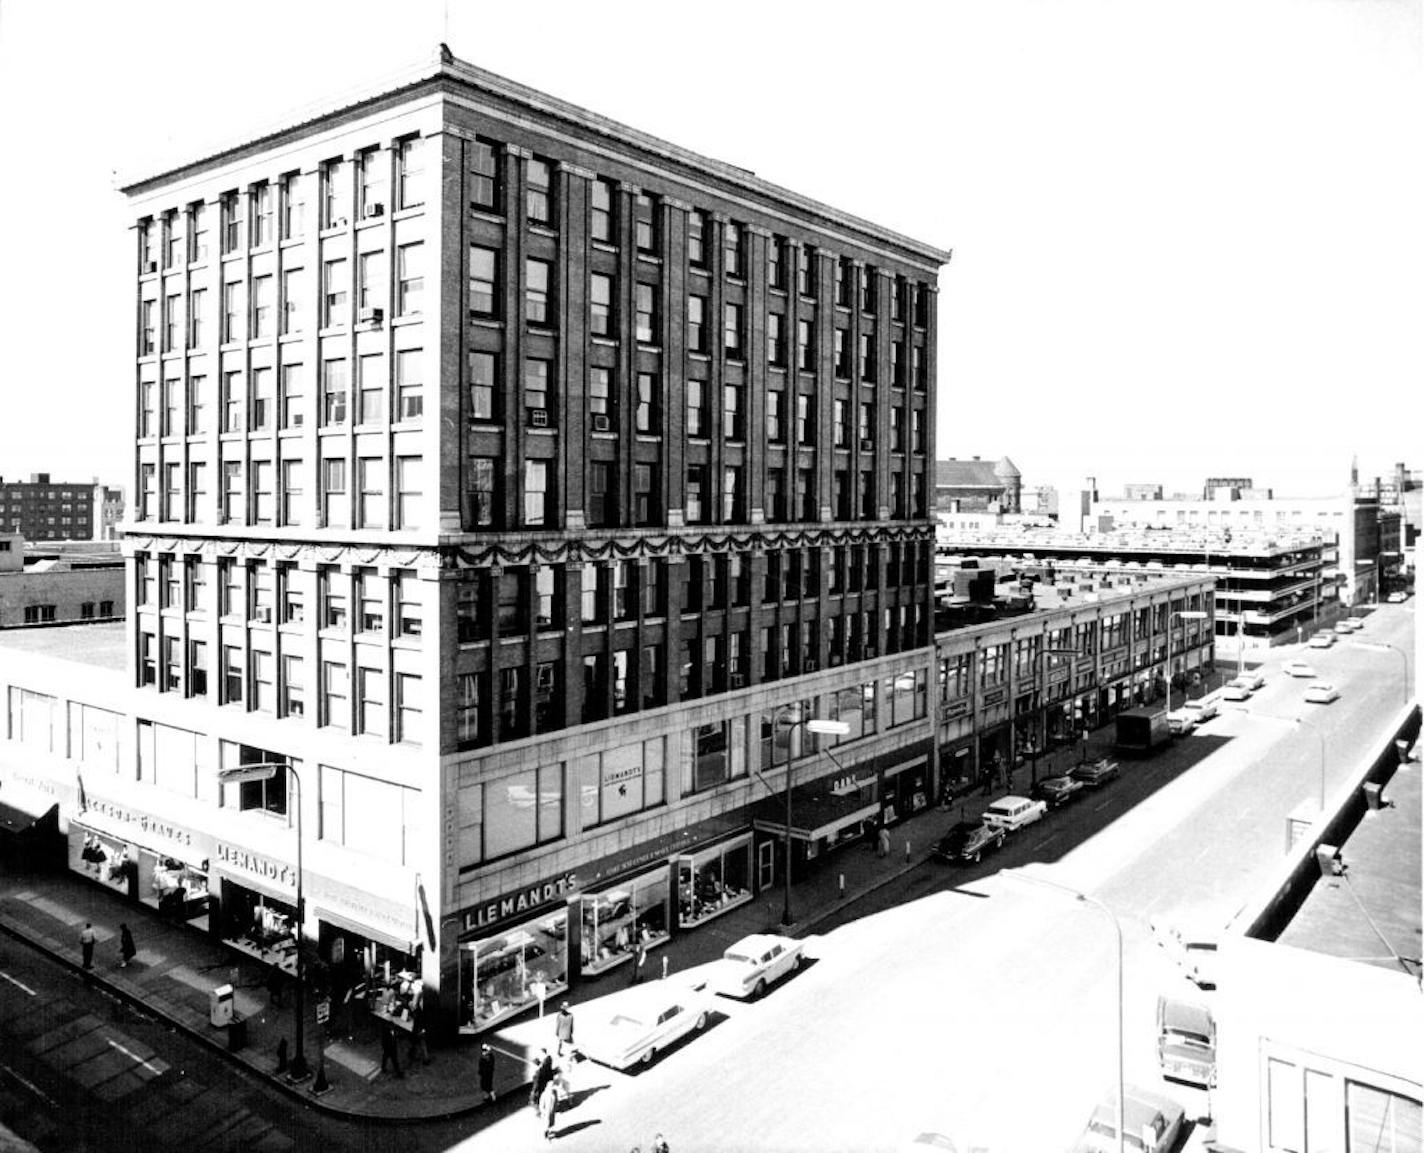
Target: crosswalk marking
[154, 1069]
[16, 983]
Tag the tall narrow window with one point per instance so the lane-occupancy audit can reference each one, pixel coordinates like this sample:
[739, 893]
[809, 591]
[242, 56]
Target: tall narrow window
[261, 307]
[484, 160]
[370, 389]
[538, 198]
[484, 376]
[232, 492]
[333, 492]
[334, 386]
[232, 311]
[536, 392]
[645, 310]
[697, 238]
[293, 206]
[336, 287]
[199, 405]
[805, 346]
[410, 392]
[232, 401]
[776, 262]
[410, 279]
[600, 305]
[231, 223]
[696, 408]
[645, 484]
[408, 492]
[371, 176]
[370, 285]
[775, 340]
[537, 278]
[335, 194]
[197, 308]
[410, 172]
[292, 489]
[600, 224]
[480, 491]
[732, 248]
[292, 301]
[293, 413]
[697, 324]
[646, 210]
[536, 494]
[805, 271]
[263, 407]
[732, 330]
[148, 330]
[260, 201]
[600, 399]
[371, 495]
[197, 232]
[867, 356]
[645, 417]
[483, 266]
[868, 280]
[733, 421]
[172, 321]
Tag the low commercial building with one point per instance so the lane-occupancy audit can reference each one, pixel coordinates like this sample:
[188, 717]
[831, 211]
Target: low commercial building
[1089, 647]
[41, 586]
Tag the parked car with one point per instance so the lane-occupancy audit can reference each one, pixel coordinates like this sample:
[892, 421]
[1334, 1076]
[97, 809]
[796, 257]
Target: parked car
[635, 1025]
[1204, 707]
[1236, 689]
[1013, 812]
[1320, 640]
[753, 963]
[968, 841]
[1349, 625]
[1181, 722]
[1254, 679]
[1096, 773]
[1398, 597]
[1055, 792]
[1321, 693]
[1150, 1122]
[1186, 1041]
[1298, 669]
[1191, 945]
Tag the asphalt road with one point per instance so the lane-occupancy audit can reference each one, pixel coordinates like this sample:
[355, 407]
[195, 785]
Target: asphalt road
[980, 1002]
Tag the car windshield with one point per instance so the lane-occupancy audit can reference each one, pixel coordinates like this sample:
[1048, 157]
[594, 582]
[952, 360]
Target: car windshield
[1184, 1037]
[623, 1021]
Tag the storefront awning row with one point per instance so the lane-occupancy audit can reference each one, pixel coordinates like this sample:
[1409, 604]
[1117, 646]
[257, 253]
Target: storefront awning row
[814, 814]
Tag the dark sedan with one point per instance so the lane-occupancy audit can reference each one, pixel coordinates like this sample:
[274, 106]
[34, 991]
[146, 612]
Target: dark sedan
[1096, 773]
[967, 841]
[1057, 791]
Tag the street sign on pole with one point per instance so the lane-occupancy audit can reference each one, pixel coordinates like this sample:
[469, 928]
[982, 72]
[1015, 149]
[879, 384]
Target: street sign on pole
[323, 1011]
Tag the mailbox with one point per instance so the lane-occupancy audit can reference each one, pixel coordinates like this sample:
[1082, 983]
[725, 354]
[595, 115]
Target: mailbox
[220, 1006]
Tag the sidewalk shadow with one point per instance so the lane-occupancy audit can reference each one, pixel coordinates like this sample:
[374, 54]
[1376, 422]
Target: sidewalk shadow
[570, 1130]
[578, 1096]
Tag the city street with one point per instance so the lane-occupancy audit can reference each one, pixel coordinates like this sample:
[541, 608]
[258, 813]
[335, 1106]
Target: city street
[981, 1004]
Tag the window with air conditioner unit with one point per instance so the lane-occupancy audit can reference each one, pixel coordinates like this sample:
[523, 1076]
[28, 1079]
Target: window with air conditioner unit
[372, 315]
[539, 417]
[374, 209]
[867, 444]
[737, 680]
[601, 423]
[808, 666]
[544, 677]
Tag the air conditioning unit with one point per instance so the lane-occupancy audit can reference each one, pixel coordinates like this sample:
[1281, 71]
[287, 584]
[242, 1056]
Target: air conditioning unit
[538, 417]
[151, 266]
[866, 444]
[737, 680]
[339, 222]
[263, 614]
[809, 666]
[375, 208]
[372, 315]
[601, 423]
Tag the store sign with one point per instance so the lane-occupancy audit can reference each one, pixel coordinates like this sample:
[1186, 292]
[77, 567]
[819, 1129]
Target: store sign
[241, 860]
[956, 708]
[995, 696]
[145, 823]
[520, 902]
[849, 785]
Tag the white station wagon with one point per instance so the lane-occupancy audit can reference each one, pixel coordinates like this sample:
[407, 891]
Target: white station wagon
[1010, 813]
[635, 1025]
[753, 963]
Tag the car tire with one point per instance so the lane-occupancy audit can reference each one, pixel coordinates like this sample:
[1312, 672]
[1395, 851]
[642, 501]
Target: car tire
[975, 857]
[757, 990]
[648, 1054]
[701, 1022]
[796, 961]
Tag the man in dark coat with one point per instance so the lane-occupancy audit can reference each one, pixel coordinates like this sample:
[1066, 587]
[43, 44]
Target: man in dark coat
[390, 1055]
[543, 1074]
[564, 1028]
[127, 948]
[487, 1072]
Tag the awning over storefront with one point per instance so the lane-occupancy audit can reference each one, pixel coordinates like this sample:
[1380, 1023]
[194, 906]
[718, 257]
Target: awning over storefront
[15, 821]
[369, 932]
[816, 811]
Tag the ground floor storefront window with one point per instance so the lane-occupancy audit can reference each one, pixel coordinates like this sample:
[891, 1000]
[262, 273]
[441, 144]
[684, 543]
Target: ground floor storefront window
[259, 925]
[504, 974]
[714, 881]
[613, 922]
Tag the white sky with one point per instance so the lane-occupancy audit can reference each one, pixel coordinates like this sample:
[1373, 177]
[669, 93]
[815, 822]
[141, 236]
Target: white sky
[1187, 236]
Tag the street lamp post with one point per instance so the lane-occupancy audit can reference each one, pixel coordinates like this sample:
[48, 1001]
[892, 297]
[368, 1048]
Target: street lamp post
[1078, 895]
[820, 727]
[265, 771]
[1382, 646]
[1186, 615]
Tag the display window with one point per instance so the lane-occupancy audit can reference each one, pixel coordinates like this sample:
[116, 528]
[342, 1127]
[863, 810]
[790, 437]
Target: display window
[107, 859]
[713, 881]
[501, 976]
[375, 976]
[174, 888]
[613, 922]
[259, 925]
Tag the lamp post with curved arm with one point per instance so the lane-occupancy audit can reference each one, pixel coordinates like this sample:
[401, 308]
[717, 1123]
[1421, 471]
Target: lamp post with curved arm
[813, 725]
[1077, 895]
[1382, 646]
[265, 771]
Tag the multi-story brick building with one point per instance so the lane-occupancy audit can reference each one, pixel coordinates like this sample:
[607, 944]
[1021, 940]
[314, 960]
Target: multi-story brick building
[42, 509]
[523, 483]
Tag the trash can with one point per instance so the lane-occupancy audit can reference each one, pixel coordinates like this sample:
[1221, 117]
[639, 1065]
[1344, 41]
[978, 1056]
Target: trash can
[237, 1034]
[220, 1005]
[1401, 748]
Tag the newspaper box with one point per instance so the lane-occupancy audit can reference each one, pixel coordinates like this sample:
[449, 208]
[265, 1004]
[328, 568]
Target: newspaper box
[220, 1006]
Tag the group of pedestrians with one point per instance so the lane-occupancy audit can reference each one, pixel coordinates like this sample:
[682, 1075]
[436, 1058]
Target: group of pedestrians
[549, 1085]
[88, 938]
[419, 1027]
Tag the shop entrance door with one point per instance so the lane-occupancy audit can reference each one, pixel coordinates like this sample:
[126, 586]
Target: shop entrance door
[766, 865]
[467, 976]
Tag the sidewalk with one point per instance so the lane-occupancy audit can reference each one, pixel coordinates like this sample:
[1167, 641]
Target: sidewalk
[177, 966]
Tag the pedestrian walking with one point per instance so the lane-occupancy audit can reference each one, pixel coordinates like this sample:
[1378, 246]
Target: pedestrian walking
[419, 1027]
[276, 984]
[548, 1109]
[640, 955]
[390, 1054]
[564, 1028]
[87, 937]
[487, 1073]
[659, 1145]
[543, 1074]
[127, 948]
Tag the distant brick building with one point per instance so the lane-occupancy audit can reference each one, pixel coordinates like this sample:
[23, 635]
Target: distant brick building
[41, 509]
[975, 484]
